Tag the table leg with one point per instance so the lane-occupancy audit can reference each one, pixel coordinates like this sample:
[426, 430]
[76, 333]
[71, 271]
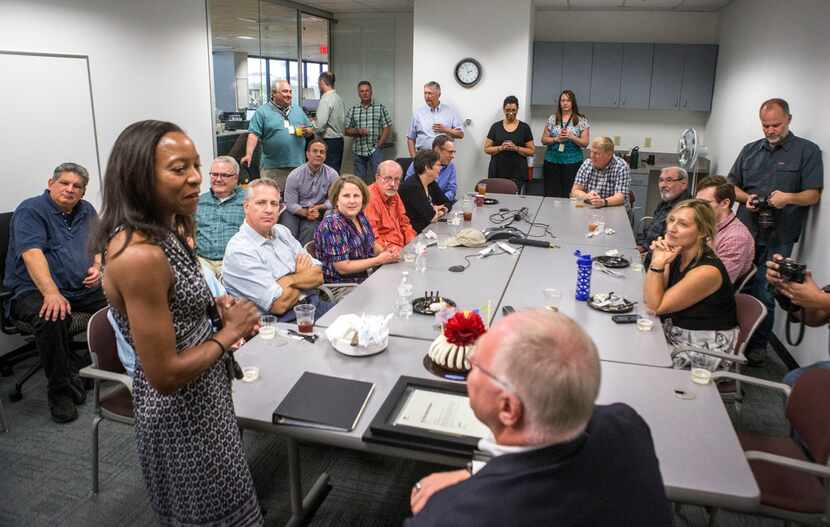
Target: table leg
[302, 509]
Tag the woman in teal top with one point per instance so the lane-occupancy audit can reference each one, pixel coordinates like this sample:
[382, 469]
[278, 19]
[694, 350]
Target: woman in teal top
[566, 133]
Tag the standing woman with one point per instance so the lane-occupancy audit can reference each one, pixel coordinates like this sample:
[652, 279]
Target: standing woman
[509, 142]
[344, 241]
[187, 437]
[566, 133]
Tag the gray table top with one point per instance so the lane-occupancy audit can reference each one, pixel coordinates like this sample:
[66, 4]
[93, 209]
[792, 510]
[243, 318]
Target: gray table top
[570, 224]
[556, 268]
[700, 458]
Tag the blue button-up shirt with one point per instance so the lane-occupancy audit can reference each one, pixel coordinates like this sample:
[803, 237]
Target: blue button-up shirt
[253, 264]
[446, 179]
[420, 129]
[38, 223]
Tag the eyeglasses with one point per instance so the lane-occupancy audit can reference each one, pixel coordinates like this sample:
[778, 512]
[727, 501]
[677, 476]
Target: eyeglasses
[390, 180]
[221, 175]
[503, 384]
[669, 179]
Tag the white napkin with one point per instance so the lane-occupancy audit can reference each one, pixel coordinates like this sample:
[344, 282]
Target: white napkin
[371, 329]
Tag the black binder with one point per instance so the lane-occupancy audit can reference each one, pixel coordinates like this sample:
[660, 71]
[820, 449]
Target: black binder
[324, 402]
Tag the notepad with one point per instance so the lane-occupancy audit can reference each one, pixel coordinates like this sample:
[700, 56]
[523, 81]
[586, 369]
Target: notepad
[324, 402]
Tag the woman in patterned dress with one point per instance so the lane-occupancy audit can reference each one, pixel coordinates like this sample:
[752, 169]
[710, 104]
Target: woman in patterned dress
[187, 438]
[566, 133]
[687, 285]
[344, 240]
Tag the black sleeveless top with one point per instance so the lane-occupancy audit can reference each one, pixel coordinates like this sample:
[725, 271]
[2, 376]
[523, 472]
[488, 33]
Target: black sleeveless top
[716, 311]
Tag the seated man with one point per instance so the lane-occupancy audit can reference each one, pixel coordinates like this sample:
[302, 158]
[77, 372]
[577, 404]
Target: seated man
[733, 242]
[445, 148]
[674, 188]
[267, 265]
[219, 213]
[386, 211]
[306, 193]
[555, 457]
[51, 275]
[604, 179]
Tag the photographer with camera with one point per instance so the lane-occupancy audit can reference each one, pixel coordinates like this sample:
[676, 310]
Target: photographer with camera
[797, 293]
[777, 179]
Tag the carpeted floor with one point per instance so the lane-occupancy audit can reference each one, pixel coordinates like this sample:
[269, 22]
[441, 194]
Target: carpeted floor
[45, 477]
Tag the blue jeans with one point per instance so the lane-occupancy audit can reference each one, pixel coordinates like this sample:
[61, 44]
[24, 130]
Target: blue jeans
[758, 289]
[791, 377]
[365, 167]
[334, 153]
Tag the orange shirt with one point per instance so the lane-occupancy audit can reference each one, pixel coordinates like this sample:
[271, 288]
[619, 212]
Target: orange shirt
[388, 218]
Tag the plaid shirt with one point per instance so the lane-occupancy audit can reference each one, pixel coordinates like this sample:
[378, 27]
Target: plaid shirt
[735, 247]
[614, 178]
[374, 118]
[217, 222]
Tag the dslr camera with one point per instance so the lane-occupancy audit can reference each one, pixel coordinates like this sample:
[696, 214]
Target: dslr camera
[765, 211]
[790, 271]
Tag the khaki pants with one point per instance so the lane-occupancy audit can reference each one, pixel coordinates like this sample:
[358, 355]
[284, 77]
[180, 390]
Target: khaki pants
[213, 265]
[279, 175]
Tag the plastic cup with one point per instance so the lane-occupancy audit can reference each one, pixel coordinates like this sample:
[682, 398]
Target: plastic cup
[702, 367]
[481, 188]
[442, 242]
[267, 327]
[305, 318]
[553, 298]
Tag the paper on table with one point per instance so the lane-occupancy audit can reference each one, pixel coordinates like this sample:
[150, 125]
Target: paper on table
[440, 412]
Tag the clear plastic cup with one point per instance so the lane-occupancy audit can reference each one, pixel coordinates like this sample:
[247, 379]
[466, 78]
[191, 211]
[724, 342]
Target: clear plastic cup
[702, 367]
[305, 318]
[267, 327]
[552, 298]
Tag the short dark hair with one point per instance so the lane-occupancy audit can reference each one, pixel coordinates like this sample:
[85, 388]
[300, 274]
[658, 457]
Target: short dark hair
[723, 188]
[433, 84]
[440, 140]
[510, 99]
[316, 140]
[129, 198]
[781, 103]
[364, 83]
[328, 78]
[338, 184]
[423, 160]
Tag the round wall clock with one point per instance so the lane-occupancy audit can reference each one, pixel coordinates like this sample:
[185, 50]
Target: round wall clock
[468, 72]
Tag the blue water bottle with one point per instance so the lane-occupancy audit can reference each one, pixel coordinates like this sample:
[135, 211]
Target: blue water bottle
[584, 264]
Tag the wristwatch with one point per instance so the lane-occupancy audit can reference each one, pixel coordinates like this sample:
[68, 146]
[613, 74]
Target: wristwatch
[653, 270]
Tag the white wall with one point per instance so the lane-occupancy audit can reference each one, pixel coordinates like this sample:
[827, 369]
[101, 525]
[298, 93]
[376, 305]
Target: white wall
[777, 49]
[499, 36]
[376, 47]
[147, 59]
[633, 126]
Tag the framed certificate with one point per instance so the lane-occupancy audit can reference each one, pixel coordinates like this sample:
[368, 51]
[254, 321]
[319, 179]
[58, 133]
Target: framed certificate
[426, 414]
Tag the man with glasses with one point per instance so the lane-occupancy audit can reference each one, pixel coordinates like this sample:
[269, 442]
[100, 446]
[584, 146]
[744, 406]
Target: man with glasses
[219, 213]
[386, 211]
[733, 242]
[369, 124]
[674, 188]
[603, 180]
[554, 457]
[445, 148]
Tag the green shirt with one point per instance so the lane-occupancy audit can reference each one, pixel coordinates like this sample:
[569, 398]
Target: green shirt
[280, 147]
[216, 222]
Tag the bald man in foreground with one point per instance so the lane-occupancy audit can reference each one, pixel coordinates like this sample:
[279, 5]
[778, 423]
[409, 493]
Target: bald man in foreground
[555, 457]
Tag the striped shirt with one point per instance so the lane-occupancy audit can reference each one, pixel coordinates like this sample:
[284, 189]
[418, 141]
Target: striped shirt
[614, 178]
[216, 222]
[374, 118]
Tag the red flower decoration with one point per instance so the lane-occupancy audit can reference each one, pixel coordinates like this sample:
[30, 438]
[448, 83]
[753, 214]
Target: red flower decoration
[464, 328]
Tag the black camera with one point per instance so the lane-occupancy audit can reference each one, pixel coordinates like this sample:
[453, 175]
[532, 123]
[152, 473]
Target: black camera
[766, 213]
[792, 271]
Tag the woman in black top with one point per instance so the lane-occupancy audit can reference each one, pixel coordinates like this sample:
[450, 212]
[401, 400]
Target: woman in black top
[509, 142]
[424, 201]
[688, 285]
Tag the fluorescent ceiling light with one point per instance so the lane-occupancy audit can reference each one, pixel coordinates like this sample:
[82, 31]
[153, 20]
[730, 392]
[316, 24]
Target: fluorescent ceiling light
[248, 20]
[244, 37]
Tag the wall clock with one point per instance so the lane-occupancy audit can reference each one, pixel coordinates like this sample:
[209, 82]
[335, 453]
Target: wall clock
[468, 72]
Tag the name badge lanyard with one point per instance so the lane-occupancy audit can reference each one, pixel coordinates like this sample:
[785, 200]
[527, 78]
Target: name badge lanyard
[564, 127]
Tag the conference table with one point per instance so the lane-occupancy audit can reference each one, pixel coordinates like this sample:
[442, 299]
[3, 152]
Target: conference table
[700, 458]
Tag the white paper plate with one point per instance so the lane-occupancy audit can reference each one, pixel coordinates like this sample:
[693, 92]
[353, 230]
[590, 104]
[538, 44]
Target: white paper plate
[345, 347]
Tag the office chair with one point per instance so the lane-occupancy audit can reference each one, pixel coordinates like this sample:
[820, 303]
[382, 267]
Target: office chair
[404, 162]
[499, 185]
[10, 326]
[329, 292]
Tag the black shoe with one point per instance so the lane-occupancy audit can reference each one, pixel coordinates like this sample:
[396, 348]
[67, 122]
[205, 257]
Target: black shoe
[62, 407]
[77, 390]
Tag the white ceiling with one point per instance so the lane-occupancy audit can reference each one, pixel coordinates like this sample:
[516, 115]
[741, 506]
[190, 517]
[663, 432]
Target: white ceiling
[632, 5]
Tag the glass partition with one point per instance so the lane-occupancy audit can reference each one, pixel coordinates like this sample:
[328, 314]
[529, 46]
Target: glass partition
[315, 39]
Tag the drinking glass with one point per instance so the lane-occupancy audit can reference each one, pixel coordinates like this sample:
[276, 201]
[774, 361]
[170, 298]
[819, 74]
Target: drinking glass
[267, 327]
[305, 318]
[702, 367]
[553, 298]
[481, 188]
[467, 207]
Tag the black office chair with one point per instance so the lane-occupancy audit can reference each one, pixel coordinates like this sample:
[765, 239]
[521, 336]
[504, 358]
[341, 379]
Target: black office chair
[404, 162]
[16, 327]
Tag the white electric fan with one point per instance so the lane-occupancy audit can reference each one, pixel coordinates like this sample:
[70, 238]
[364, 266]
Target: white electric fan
[689, 150]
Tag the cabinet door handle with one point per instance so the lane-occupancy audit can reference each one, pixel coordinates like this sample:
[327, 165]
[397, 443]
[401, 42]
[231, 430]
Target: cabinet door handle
[677, 102]
[685, 102]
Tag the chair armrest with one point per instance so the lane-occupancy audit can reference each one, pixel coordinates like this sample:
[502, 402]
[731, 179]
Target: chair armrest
[822, 471]
[336, 291]
[734, 357]
[5, 294]
[104, 375]
[722, 374]
[646, 219]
